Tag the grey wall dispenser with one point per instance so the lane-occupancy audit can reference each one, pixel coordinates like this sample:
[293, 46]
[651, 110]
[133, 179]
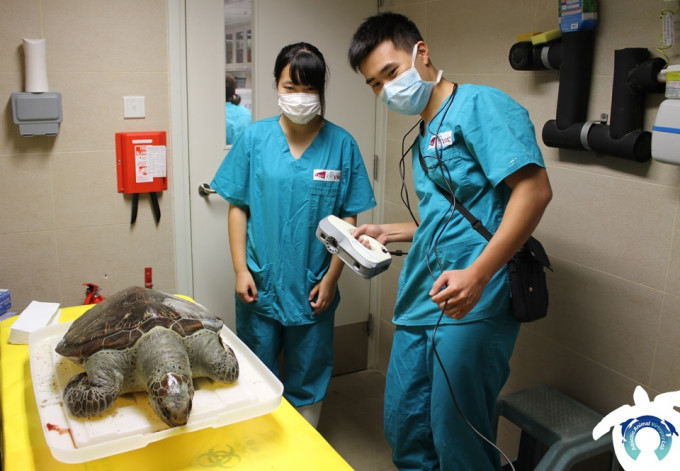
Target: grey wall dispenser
[37, 111]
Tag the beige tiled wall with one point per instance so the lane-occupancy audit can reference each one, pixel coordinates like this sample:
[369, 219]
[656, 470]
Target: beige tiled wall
[62, 221]
[612, 229]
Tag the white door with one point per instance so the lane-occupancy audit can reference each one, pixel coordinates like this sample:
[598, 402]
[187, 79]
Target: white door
[329, 26]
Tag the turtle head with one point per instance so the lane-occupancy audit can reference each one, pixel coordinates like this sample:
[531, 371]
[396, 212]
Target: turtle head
[170, 398]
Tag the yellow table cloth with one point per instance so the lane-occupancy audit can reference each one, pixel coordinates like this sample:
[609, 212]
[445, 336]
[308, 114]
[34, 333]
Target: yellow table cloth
[281, 440]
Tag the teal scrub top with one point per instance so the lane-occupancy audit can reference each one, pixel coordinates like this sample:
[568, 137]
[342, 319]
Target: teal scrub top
[286, 198]
[237, 119]
[484, 137]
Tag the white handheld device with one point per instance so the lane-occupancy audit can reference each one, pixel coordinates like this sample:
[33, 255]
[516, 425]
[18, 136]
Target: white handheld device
[336, 235]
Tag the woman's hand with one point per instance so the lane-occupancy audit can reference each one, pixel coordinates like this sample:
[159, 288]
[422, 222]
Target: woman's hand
[322, 295]
[245, 287]
[457, 292]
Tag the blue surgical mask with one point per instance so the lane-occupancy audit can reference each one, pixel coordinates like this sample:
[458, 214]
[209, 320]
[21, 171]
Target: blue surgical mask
[407, 93]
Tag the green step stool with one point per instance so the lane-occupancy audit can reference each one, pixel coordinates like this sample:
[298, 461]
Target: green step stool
[551, 419]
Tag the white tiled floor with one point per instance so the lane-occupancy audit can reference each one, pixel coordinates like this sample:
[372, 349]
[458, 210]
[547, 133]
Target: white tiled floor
[351, 420]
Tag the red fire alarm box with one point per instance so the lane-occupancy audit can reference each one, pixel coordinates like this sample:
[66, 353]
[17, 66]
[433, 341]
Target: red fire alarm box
[141, 162]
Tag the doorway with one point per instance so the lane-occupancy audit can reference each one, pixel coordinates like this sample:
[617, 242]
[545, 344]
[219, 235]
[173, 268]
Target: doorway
[197, 30]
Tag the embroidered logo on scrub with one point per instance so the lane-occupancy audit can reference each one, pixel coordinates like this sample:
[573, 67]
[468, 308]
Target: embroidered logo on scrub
[445, 139]
[645, 435]
[321, 175]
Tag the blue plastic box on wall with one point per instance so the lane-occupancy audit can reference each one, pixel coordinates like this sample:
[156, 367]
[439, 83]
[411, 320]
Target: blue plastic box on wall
[5, 300]
[576, 15]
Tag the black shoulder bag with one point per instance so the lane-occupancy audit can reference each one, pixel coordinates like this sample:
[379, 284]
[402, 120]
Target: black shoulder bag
[528, 283]
[526, 268]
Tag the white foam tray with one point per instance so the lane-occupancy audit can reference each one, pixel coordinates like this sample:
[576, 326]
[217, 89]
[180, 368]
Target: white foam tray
[131, 423]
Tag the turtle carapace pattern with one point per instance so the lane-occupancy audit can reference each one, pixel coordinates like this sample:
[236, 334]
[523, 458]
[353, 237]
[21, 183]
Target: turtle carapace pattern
[141, 339]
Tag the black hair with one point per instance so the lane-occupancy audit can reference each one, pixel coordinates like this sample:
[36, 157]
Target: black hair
[374, 30]
[307, 67]
[230, 89]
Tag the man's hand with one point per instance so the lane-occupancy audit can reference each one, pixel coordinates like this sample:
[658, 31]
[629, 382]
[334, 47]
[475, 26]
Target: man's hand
[457, 292]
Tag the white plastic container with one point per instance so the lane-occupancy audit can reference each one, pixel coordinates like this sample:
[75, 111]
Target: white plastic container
[131, 423]
[672, 76]
[666, 133]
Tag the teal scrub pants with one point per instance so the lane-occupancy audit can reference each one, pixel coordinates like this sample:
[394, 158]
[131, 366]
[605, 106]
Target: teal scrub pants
[307, 353]
[422, 424]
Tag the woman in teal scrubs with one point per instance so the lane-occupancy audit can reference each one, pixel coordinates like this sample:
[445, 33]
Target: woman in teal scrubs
[282, 177]
[236, 117]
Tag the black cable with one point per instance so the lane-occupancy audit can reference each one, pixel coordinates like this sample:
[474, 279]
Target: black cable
[440, 164]
[453, 395]
[402, 172]
[439, 232]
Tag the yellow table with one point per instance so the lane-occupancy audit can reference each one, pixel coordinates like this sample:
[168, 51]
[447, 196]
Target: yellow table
[280, 440]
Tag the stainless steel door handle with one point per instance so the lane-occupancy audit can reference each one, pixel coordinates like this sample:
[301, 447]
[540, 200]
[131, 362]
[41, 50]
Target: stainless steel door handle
[204, 190]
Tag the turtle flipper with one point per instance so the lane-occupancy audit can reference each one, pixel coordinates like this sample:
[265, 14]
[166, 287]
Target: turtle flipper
[84, 399]
[212, 358]
[224, 365]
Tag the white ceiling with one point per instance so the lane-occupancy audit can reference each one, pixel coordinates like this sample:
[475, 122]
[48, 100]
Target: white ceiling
[237, 12]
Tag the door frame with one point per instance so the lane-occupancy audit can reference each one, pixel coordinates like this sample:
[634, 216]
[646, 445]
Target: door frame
[177, 66]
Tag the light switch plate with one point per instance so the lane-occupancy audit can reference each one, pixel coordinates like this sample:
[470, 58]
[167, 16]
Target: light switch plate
[133, 107]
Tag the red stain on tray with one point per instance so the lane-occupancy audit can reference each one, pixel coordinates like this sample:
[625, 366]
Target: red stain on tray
[57, 428]
[61, 431]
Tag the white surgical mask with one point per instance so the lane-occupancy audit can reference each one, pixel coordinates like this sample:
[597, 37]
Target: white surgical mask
[407, 93]
[300, 108]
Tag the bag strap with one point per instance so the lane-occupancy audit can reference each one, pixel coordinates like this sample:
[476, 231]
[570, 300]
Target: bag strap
[474, 222]
[533, 245]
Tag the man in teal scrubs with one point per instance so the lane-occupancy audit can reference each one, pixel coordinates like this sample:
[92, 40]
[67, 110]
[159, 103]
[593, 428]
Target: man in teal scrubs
[477, 145]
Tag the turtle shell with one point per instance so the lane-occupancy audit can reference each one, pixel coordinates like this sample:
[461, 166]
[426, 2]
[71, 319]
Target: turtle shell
[123, 318]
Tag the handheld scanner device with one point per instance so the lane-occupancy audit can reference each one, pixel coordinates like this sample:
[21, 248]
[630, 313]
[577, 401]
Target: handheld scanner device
[336, 235]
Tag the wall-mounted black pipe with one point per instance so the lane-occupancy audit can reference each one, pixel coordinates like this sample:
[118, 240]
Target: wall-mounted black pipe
[577, 66]
[526, 56]
[644, 77]
[595, 136]
[573, 55]
[633, 145]
[634, 77]
[627, 109]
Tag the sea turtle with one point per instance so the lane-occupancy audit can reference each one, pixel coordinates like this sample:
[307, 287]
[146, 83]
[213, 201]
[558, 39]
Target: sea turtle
[140, 339]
